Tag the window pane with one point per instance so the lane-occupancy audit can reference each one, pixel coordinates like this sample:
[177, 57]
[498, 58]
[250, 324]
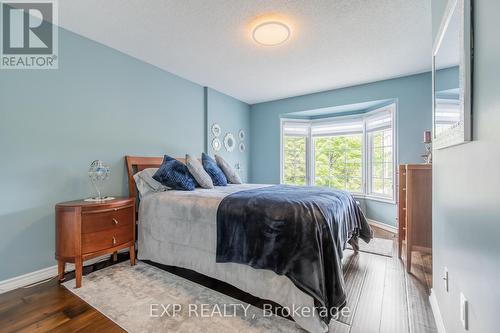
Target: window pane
[388, 154]
[387, 138]
[353, 184]
[388, 187]
[381, 162]
[338, 162]
[378, 155]
[388, 170]
[377, 185]
[294, 160]
[377, 170]
[353, 169]
[377, 139]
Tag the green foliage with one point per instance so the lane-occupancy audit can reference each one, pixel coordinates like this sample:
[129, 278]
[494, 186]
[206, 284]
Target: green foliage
[294, 160]
[338, 162]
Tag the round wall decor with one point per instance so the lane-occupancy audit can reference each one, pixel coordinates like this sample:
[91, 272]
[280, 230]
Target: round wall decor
[242, 147]
[241, 134]
[229, 142]
[216, 144]
[216, 130]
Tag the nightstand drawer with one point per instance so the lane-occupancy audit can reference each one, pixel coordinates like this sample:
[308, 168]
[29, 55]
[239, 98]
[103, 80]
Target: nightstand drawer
[108, 219]
[96, 241]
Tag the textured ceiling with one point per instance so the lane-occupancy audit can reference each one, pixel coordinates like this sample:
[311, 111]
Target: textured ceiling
[334, 43]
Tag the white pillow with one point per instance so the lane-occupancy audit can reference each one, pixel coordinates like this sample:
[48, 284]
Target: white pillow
[231, 175]
[198, 172]
[146, 184]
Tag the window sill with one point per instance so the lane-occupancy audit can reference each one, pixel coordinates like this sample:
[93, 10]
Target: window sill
[375, 198]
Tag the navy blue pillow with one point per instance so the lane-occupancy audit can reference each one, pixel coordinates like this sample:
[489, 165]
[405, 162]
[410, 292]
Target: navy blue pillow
[175, 175]
[211, 167]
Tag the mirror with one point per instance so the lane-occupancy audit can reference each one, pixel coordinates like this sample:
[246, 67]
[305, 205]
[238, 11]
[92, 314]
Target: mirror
[216, 130]
[451, 72]
[216, 144]
[229, 142]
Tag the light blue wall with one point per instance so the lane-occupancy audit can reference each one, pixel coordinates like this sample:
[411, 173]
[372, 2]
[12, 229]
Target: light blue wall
[414, 108]
[466, 196]
[381, 212]
[230, 122]
[99, 104]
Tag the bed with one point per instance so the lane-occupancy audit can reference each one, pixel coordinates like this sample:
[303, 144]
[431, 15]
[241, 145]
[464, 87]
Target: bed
[180, 228]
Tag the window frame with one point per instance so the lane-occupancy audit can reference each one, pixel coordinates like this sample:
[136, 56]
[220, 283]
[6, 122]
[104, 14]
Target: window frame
[365, 153]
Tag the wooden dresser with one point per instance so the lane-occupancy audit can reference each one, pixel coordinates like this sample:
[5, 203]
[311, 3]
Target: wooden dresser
[414, 210]
[86, 230]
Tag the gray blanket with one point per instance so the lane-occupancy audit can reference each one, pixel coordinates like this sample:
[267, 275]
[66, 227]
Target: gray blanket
[296, 231]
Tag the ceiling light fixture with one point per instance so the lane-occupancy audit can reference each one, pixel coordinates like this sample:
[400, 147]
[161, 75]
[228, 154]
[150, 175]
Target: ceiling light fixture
[271, 33]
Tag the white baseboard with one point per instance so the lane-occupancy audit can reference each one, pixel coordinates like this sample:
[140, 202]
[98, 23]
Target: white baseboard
[437, 313]
[43, 274]
[27, 279]
[383, 226]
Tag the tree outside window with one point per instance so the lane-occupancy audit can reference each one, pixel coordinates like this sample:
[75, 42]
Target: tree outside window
[338, 162]
[294, 160]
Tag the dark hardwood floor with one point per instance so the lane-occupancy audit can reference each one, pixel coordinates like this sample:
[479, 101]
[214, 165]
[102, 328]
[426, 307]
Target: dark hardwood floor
[381, 295]
[50, 307]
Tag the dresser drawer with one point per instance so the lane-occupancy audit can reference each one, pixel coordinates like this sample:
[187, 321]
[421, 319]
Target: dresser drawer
[96, 241]
[108, 219]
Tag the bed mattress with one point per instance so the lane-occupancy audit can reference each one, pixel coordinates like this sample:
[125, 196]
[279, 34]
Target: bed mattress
[179, 228]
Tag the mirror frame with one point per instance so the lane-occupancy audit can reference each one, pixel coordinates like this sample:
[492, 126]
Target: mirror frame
[462, 131]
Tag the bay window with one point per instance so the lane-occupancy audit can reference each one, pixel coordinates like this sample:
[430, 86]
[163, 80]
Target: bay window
[294, 158]
[352, 153]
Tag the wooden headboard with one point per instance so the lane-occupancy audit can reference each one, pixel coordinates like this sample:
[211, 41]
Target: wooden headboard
[139, 163]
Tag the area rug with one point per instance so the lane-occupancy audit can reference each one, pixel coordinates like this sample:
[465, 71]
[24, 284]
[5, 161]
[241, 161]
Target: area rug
[143, 298]
[379, 246]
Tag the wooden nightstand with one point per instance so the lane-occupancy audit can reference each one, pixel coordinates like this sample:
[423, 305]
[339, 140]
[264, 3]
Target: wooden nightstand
[86, 230]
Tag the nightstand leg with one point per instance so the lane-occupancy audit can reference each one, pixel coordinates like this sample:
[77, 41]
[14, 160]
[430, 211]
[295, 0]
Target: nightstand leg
[115, 256]
[61, 265]
[131, 251]
[78, 272]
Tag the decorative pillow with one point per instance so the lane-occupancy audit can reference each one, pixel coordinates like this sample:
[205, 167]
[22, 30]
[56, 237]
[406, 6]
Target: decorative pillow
[175, 175]
[231, 174]
[196, 169]
[213, 170]
[146, 184]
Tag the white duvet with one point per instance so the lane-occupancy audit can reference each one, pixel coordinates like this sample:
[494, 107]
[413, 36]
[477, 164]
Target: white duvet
[179, 228]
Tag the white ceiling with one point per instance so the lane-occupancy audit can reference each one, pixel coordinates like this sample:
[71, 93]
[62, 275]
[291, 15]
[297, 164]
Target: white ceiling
[334, 43]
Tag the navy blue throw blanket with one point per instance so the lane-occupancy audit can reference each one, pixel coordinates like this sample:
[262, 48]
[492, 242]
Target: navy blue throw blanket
[296, 231]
